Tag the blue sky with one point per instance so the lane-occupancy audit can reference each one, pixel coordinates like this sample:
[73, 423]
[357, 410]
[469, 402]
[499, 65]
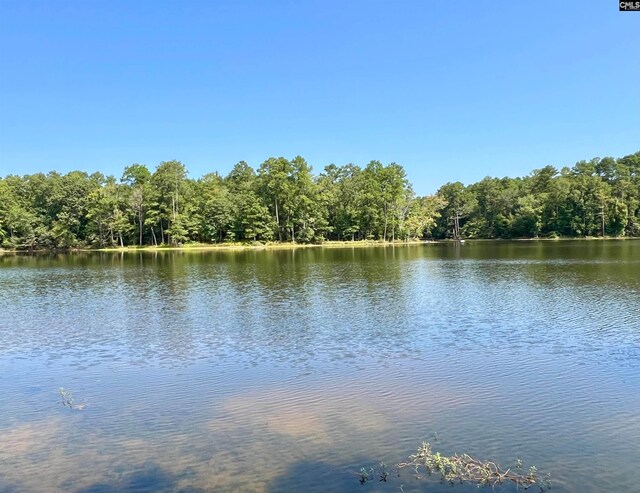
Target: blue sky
[452, 90]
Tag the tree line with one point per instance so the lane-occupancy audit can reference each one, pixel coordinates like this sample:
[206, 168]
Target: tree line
[284, 201]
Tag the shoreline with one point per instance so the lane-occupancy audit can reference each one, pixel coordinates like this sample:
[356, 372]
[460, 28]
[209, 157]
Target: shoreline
[201, 247]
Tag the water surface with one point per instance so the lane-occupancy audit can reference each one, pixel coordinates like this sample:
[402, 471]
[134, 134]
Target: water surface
[270, 371]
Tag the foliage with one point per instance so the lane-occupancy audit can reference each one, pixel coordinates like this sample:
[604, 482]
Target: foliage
[466, 469]
[284, 201]
[459, 469]
[67, 400]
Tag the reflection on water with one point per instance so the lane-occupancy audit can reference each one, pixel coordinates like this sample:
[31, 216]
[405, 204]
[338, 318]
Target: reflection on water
[289, 370]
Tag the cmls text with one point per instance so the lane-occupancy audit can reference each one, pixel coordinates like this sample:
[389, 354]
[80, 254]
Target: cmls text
[629, 6]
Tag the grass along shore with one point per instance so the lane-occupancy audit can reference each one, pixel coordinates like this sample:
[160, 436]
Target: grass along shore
[290, 246]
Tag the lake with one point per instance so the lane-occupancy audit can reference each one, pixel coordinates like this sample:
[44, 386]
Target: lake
[289, 370]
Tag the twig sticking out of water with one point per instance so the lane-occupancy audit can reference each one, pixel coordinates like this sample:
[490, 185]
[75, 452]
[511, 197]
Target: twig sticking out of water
[68, 401]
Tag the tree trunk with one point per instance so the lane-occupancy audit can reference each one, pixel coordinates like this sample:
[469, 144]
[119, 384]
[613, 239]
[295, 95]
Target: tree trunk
[141, 226]
[456, 226]
[384, 236]
[278, 220]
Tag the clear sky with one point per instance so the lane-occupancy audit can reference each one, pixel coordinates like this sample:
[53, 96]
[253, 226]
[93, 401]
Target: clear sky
[452, 90]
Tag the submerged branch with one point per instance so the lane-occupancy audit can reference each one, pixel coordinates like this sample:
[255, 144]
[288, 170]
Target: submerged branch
[67, 400]
[466, 469]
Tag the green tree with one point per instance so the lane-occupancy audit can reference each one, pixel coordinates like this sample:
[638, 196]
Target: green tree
[627, 189]
[340, 197]
[274, 186]
[216, 208]
[107, 215]
[423, 214]
[528, 216]
[17, 221]
[251, 217]
[460, 203]
[67, 204]
[397, 196]
[307, 221]
[137, 177]
[168, 180]
[370, 208]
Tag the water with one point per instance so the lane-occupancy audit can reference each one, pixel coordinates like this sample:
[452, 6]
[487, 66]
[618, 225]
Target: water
[272, 371]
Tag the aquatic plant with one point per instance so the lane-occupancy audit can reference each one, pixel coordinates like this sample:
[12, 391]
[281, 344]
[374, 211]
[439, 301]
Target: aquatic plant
[68, 401]
[466, 469]
[67, 397]
[383, 472]
[367, 474]
[458, 469]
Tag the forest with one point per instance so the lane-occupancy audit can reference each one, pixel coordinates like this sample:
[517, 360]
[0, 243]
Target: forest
[283, 201]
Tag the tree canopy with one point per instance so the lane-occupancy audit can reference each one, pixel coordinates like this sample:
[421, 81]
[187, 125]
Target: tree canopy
[283, 200]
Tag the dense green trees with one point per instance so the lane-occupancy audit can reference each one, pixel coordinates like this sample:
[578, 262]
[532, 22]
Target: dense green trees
[282, 200]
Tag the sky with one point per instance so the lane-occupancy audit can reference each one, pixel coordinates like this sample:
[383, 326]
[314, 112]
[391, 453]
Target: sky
[451, 90]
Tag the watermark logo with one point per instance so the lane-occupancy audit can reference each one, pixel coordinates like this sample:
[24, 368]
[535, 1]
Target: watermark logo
[629, 6]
